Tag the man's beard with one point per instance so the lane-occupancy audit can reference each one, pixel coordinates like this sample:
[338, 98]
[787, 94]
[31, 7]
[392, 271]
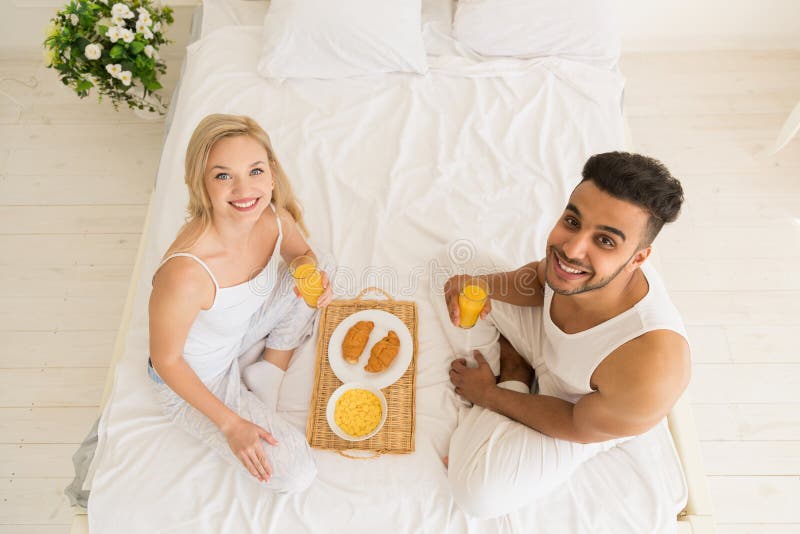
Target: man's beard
[600, 284]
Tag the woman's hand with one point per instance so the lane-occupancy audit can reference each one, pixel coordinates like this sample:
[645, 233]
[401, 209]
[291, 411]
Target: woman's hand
[452, 288]
[244, 439]
[326, 296]
[327, 293]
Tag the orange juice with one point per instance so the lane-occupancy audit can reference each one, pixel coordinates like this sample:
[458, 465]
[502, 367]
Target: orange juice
[308, 280]
[471, 301]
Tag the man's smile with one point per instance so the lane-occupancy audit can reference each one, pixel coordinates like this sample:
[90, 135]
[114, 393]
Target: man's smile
[566, 270]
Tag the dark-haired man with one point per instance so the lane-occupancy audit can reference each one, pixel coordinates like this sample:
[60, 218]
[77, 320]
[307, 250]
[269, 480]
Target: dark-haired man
[608, 348]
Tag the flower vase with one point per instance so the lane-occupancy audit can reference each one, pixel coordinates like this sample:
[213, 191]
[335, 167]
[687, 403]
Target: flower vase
[149, 100]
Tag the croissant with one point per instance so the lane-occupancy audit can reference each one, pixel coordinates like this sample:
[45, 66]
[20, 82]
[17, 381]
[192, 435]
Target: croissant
[383, 353]
[355, 340]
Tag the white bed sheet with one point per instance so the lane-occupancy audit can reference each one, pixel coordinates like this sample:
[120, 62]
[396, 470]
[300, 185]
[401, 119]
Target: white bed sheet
[390, 169]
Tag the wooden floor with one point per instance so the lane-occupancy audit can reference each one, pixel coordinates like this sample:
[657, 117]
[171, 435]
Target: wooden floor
[75, 178]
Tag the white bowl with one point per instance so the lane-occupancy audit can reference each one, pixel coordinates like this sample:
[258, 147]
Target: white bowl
[332, 409]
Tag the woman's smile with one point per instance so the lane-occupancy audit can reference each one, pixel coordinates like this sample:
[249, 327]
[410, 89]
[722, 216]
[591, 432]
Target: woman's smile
[245, 204]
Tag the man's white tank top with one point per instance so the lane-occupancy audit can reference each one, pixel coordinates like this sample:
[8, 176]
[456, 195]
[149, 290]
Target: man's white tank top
[571, 359]
[216, 334]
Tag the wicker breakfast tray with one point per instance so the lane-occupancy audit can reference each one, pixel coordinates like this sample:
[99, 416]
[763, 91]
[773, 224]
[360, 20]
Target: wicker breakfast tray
[397, 434]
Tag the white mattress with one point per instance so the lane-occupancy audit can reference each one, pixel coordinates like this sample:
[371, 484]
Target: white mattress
[390, 169]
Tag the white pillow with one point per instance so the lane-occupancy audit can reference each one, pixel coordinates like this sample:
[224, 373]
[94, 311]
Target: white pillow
[342, 38]
[585, 30]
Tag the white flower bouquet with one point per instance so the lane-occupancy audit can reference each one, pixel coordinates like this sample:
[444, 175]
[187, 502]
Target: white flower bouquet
[111, 46]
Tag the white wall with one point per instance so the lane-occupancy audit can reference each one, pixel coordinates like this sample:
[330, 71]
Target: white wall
[646, 24]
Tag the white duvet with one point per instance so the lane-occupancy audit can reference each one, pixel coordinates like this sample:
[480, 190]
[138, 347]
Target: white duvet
[390, 169]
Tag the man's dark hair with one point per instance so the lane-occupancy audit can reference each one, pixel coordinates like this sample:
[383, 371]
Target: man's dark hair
[640, 180]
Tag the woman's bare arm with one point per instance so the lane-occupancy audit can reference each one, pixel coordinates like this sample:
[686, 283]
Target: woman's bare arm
[180, 290]
[294, 245]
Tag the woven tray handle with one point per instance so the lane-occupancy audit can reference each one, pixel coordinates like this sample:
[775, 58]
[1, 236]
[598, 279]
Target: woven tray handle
[376, 290]
[362, 454]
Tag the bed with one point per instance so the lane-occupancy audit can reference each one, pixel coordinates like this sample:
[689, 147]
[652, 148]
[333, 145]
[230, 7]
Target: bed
[390, 170]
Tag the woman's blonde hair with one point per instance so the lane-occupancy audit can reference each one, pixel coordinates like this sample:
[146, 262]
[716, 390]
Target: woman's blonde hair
[199, 213]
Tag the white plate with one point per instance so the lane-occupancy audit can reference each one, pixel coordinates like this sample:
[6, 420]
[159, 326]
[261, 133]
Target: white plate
[331, 410]
[354, 372]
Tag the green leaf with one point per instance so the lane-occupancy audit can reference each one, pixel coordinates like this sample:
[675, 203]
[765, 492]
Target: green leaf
[84, 85]
[152, 85]
[102, 30]
[116, 51]
[136, 47]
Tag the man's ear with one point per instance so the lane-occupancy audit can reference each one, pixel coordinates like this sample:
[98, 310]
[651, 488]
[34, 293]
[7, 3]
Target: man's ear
[639, 258]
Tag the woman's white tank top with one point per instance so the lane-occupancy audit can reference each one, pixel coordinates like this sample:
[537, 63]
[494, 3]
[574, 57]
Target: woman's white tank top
[216, 334]
[571, 359]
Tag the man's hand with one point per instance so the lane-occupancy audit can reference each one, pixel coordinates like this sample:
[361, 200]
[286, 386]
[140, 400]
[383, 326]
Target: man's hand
[475, 384]
[452, 288]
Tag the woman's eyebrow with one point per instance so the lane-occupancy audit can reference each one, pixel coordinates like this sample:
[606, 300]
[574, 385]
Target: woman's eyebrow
[224, 168]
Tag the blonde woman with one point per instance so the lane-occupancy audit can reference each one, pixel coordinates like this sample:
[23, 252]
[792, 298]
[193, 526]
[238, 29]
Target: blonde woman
[221, 288]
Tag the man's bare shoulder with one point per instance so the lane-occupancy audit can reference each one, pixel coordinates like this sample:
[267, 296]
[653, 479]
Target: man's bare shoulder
[657, 363]
[636, 385]
[648, 356]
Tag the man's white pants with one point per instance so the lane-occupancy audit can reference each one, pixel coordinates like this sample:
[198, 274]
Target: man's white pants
[497, 465]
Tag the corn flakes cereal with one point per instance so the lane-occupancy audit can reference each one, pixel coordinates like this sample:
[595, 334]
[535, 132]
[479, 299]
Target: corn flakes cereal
[358, 412]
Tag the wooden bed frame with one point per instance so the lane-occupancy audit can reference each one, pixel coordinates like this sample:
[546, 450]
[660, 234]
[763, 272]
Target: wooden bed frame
[696, 517]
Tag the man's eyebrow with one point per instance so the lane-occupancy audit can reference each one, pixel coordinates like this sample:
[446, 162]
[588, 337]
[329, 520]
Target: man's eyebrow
[609, 229]
[224, 168]
[612, 230]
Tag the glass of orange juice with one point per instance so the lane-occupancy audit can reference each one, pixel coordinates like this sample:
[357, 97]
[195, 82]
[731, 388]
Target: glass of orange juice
[471, 300]
[307, 278]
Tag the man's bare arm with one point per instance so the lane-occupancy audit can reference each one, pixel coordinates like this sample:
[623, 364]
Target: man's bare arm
[521, 287]
[636, 387]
